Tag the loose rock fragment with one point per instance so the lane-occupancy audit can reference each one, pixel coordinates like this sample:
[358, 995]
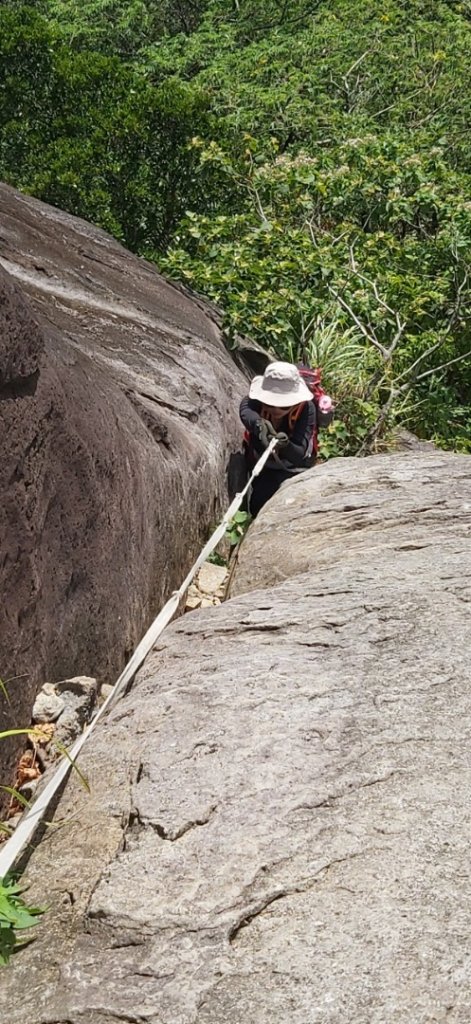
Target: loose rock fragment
[211, 578]
[48, 704]
[79, 695]
[106, 690]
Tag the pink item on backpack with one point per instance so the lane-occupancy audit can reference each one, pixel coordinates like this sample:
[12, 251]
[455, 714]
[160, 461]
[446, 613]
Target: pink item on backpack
[325, 404]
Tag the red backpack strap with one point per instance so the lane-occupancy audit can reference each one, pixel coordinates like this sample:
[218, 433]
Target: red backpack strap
[294, 414]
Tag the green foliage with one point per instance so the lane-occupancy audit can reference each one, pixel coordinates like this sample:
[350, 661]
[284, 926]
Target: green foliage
[296, 163]
[16, 732]
[87, 133]
[116, 27]
[347, 366]
[108, 26]
[15, 916]
[4, 691]
[216, 559]
[238, 527]
[15, 793]
[61, 749]
[304, 249]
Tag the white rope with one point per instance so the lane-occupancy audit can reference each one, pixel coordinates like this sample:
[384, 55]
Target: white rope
[25, 829]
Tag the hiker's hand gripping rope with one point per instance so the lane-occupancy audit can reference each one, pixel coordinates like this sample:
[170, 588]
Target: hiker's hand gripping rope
[266, 433]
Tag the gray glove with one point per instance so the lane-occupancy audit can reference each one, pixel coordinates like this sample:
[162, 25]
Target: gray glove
[282, 439]
[265, 432]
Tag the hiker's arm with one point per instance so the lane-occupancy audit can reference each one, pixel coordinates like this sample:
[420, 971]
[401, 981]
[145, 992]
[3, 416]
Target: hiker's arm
[248, 414]
[299, 446]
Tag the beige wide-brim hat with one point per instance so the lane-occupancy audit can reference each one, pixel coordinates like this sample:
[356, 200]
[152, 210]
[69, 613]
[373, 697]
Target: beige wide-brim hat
[281, 386]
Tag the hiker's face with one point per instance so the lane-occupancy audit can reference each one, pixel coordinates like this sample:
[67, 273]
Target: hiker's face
[279, 413]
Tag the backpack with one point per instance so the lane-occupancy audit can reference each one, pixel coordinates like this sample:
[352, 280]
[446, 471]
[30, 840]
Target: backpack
[322, 401]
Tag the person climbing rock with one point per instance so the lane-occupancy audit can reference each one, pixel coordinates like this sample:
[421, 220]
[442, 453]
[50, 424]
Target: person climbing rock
[280, 405]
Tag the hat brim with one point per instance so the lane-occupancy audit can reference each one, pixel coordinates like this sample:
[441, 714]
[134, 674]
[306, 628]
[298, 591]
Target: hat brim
[277, 400]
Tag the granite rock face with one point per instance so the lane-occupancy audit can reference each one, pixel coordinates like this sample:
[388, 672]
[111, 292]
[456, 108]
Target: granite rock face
[394, 514]
[118, 416]
[280, 815]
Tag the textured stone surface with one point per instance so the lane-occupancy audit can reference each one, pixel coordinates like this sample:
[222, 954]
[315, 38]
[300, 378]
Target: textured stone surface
[211, 578]
[208, 588]
[48, 704]
[79, 695]
[280, 816]
[118, 414]
[21, 339]
[395, 514]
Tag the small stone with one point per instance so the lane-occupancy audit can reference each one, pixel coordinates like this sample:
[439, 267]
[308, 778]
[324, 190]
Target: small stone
[106, 690]
[48, 705]
[211, 577]
[206, 602]
[13, 821]
[192, 602]
[29, 788]
[78, 696]
[81, 686]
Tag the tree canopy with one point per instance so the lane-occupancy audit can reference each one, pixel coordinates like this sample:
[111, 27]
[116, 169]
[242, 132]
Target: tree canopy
[307, 165]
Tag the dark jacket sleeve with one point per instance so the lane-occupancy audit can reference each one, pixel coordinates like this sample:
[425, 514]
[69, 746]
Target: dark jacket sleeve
[299, 448]
[249, 412]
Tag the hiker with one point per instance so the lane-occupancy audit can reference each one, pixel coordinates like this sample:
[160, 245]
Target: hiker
[280, 405]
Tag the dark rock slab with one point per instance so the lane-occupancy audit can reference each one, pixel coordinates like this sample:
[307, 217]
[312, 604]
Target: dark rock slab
[118, 415]
[279, 823]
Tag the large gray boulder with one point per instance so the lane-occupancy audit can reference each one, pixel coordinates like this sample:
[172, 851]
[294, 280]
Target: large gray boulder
[118, 416]
[279, 823]
[394, 515]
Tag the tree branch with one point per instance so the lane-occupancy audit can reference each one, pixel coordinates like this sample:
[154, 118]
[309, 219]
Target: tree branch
[361, 327]
[443, 366]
